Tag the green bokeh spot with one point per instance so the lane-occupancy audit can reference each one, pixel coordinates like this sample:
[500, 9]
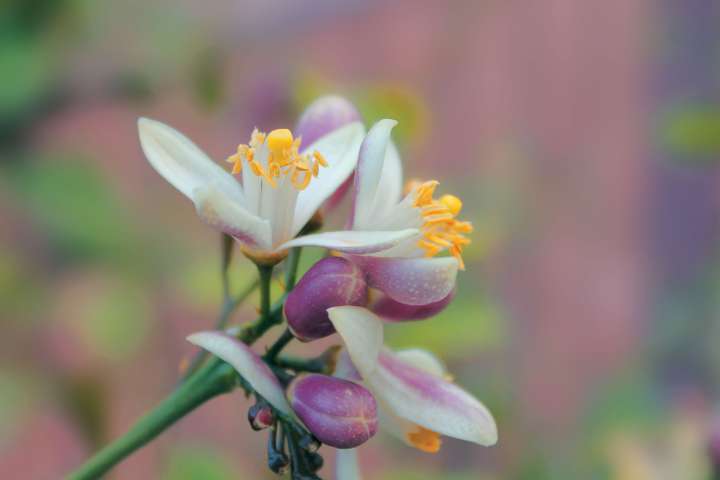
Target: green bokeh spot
[198, 463]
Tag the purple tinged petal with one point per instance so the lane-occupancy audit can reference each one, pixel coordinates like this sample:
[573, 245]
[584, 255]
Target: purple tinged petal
[339, 413]
[394, 311]
[331, 282]
[323, 116]
[431, 401]
[247, 363]
[412, 281]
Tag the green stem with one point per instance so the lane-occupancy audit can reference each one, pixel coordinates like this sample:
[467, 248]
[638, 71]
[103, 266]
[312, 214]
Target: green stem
[293, 261]
[214, 379]
[313, 365]
[265, 283]
[279, 344]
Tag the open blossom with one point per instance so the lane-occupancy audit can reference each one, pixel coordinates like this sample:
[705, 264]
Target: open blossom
[417, 402]
[284, 179]
[407, 270]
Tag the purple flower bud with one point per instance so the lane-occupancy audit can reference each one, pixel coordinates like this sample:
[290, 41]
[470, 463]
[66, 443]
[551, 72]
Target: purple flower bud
[331, 282]
[260, 416]
[323, 116]
[394, 311]
[339, 413]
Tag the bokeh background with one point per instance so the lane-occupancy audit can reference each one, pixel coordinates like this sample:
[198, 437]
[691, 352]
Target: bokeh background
[583, 137]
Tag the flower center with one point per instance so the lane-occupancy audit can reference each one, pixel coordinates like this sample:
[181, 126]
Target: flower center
[425, 440]
[283, 158]
[441, 229]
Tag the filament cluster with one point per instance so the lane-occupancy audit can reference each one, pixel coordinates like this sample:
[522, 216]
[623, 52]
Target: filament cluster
[283, 158]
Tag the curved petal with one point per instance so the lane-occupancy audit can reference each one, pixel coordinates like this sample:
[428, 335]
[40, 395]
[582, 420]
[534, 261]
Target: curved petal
[247, 363]
[346, 464]
[181, 162]
[340, 149]
[424, 360]
[413, 281]
[219, 211]
[362, 333]
[324, 115]
[407, 391]
[369, 172]
[350, 241]
[430, 401]
[394, 311]
[390, 186]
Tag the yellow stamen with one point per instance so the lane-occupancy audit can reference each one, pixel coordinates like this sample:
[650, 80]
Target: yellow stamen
[453, 203]
[283, 159]
[425, 440]
[441, 229]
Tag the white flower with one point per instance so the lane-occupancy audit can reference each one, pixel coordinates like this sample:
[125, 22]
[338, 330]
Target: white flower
[284, 182]
[417, 401]
[417, 227]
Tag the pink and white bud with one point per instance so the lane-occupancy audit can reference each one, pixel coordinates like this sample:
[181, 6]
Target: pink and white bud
[339, 413]
[394, 311]
[324, 115]
[331, 282]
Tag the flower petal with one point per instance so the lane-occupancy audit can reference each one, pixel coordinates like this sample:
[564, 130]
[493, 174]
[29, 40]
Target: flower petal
[424, 360]
[411, 393]
[247, 363]
[430, 401]
[362, 333]
[394, 311]
[340, 149]
[324, 115]
[346, 464]
[181, 162]
[369, 172]
[413, 281]
[355, 242]
[221, 212]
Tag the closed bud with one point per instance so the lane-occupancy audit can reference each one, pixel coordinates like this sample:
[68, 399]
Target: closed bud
[331, 282]
[394, 311]
[324, 115]
[339, 413]
[260, 416]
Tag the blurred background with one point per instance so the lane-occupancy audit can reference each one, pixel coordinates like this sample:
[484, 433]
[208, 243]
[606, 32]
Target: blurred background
[583, 137]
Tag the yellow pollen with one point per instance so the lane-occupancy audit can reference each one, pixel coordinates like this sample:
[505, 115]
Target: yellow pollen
[441, 229]
[279, 140]
[452, 202]
[283, 159]
[425, 440]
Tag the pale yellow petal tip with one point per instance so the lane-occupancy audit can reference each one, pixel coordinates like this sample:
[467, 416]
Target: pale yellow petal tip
[425, 440]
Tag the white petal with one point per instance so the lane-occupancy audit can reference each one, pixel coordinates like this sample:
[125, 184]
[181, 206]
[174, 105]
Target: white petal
[413, 281]
[181, 162]
[430, 401]
[355, 242]
[424, 360]
[247, 363]
[390, 186]
[409, 392]
[369, 172]
[346, 464]
[220, 212]
[340, 148]
[362, 333]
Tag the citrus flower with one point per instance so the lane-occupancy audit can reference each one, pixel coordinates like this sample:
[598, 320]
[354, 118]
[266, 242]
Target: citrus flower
[417, 401]
[284, 180]
[408, 270]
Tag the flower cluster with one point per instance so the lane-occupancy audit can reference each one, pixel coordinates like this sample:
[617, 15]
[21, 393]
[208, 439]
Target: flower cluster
[386, 265]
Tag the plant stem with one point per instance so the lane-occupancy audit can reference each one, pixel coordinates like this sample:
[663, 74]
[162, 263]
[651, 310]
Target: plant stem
[265, 272]
[279, 344]
[214, 379]
[312, 365]
[293, 261]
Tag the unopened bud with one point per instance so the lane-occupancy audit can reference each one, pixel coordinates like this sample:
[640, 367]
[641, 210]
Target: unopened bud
[331, 282]
[324, 115]
[260, 416]
[339, 413]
